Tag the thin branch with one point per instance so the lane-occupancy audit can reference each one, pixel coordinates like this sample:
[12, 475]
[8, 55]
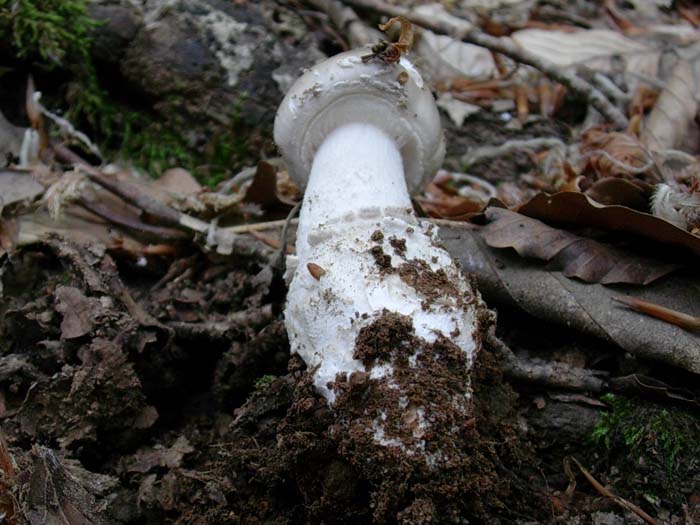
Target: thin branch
[460, 29]
[627, 505]
[684, 321]
[345, 19]
[485, 153]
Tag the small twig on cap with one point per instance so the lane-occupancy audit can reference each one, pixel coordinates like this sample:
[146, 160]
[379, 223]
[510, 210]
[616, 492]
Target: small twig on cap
[463, 30]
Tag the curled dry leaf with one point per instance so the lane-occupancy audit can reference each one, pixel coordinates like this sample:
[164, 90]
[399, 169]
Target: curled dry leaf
[575, 256]
[621, 192]
[578, 209]
[506, 279]
[614, 154]
[263, 191]
[674, 113]
[444, 203]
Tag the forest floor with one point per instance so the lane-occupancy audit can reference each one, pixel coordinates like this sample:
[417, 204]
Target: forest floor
[145, 371]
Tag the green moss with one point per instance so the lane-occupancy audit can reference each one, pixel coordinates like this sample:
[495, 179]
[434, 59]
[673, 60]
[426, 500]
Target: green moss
[657, 448]
[57, 35]
[47, 31]
[264, 381]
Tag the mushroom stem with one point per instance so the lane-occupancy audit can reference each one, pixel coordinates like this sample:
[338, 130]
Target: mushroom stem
[383, 317]
[357, 166]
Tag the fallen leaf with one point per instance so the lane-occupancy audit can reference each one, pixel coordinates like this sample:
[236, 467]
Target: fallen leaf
[444, 204]
[596, 48]
[668, 124]
[612, 191]
[614, 154]
[178, 181]
[263, 191]
[577, 209]
[506, 279]
[575, 256]
[146, 460]
[18, 186]
[78, 311]
[59, 491]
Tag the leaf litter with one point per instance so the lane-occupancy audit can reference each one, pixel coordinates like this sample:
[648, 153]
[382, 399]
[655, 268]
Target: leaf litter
[146, 377]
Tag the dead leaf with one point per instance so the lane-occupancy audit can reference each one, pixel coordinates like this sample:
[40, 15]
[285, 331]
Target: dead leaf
[674, 113]
[178, 181]
[18, 186]
[60, 492]
[577, 209]
[144, 461]
[575, 256]
[263, 190]
[79, 312]
[614, 154]
[444, 203]
[507, 279]
[612, 191]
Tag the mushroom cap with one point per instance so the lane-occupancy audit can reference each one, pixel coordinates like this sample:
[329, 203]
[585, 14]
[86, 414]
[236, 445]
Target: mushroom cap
[344, 90]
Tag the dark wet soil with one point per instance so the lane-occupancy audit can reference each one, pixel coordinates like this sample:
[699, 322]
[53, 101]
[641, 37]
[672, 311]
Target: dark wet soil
[129, 398]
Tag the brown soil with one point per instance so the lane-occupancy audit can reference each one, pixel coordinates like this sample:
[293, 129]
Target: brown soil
[127, 399]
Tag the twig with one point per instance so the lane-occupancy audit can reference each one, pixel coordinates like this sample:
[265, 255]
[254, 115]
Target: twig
[485, 153]
[278, 263]
[684, 321]
[635, 170]
[235, 325]
[460, 29]
[617, 499]
[224, 241]
[345, 19]
[555, 375]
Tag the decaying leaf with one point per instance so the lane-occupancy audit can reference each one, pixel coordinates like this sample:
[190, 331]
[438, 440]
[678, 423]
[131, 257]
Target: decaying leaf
[596, 48]
[613, 191]
[18, 186]
[159, 457]
[577, 209]
[263, 191]
[575, 256]
[614, 154]
[61, 492]
[668, 124]
[508, 279]
[445, 203]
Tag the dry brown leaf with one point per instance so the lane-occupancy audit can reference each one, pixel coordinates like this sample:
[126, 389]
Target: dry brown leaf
[613, 154]
[612, 191]
[575, 256]
[577, 209]
[506, 279]
[674, 113]
[445, 204]
[263, 191]
[18, 186]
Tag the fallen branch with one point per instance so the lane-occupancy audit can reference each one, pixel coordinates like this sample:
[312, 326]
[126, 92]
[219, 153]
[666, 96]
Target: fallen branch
[345, 19]
[219, 238]
[555, 375]
[685, 321]
[463, 30]
[631, 507]
[486, 153]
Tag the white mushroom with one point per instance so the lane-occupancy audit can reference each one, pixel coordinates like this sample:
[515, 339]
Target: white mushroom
[372, 291]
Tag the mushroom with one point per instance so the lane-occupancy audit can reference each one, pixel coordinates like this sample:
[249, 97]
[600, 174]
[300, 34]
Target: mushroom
[375, 303]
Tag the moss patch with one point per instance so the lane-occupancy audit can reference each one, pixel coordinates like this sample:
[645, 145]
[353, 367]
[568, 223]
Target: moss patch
[655, 450]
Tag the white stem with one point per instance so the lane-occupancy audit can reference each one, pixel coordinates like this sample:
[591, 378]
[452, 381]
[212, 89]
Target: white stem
[357, 166]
